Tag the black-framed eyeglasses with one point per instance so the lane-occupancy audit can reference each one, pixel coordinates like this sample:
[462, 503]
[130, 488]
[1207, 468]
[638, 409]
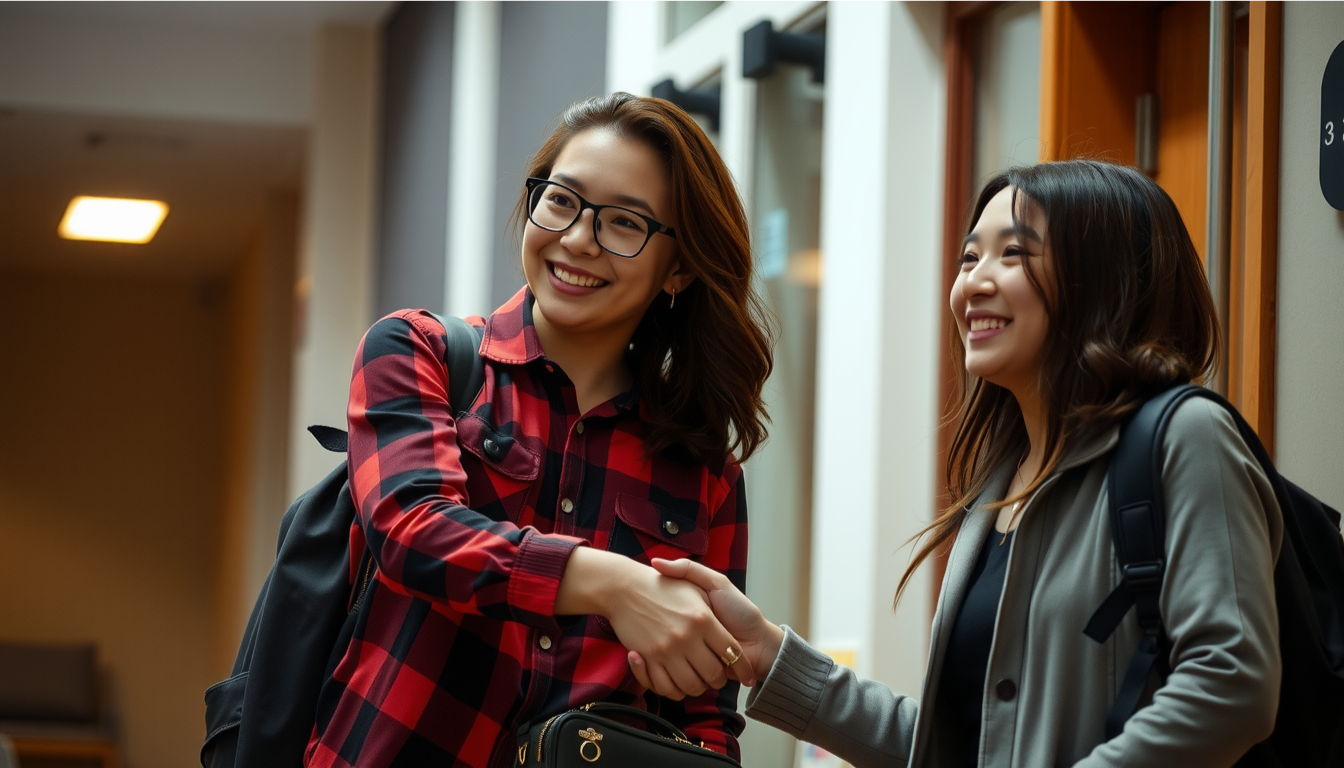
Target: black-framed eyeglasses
[555, 207]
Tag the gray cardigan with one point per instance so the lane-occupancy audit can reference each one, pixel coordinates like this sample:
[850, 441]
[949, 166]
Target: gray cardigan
[1048, 687]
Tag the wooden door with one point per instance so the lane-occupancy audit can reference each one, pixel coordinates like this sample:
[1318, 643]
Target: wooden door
[1098, 60]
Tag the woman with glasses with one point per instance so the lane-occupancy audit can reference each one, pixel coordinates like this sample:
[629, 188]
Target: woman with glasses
[512, 535]
[1079, 296]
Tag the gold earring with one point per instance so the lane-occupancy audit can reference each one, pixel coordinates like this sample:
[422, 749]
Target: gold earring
[673, 303]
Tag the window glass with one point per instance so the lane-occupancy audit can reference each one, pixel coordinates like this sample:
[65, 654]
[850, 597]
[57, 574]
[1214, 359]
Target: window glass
[786, 221]
[683, 14]
[1007, 89]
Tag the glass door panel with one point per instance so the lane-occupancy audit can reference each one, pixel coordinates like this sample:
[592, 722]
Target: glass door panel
[1007, 89]
[786, 219]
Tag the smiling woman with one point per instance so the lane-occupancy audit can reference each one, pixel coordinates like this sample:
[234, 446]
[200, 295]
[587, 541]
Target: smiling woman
[996, 301]
[595, 269]
[672, 173]
[1080, 296]
[512, 535]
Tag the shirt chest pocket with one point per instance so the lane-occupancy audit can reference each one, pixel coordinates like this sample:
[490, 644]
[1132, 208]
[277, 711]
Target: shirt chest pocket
[644, 530]
[501, 470]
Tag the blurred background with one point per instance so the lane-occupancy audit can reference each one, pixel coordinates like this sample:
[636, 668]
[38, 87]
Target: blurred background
[324, 163]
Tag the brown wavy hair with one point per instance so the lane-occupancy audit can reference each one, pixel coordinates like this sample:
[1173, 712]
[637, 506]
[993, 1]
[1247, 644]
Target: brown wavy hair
[699, 367]
[1129, 312]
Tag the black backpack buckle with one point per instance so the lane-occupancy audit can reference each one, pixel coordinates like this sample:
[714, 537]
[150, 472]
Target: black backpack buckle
[1141, 576]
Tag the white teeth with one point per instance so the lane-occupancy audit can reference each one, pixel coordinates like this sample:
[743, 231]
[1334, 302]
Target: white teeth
[987, 323]
[579, 280]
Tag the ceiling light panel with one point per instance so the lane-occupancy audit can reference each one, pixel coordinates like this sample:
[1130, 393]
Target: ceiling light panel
[112, 219]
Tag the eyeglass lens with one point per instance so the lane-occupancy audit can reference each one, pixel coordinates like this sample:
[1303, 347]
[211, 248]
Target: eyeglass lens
[620, 231]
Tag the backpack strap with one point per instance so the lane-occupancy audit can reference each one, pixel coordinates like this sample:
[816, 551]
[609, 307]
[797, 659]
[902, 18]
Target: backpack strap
[1138, 530]
[466, 376]
[331, 438]
[466, 369]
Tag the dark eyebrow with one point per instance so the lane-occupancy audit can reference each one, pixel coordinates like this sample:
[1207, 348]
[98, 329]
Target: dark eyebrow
[1022, 230]
[629, 201]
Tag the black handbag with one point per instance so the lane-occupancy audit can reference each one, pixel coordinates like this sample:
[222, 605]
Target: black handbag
[582, 738]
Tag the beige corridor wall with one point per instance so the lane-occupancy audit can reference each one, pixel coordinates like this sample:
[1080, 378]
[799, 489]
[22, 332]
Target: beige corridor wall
[254, 467]
[108, 487]
[1310, 400]
[335, 269]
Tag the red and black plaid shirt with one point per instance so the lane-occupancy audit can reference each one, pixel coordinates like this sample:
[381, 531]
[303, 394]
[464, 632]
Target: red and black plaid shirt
[471, 521]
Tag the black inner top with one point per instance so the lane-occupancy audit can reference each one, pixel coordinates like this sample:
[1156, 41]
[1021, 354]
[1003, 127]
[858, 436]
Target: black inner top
[962, 689]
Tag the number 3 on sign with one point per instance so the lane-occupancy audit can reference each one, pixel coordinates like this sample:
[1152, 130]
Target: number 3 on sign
[1332, 103]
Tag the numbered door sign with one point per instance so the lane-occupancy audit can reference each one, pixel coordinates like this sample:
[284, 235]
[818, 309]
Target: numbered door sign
[1332, 130]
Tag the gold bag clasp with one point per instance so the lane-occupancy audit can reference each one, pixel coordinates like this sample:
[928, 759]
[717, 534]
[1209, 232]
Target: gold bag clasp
[590, 738]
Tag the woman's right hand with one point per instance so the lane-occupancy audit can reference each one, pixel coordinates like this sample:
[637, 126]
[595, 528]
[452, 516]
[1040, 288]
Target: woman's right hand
[759, 638]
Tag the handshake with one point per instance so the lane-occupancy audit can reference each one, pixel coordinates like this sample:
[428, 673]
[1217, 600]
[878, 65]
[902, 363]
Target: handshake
[746, 647]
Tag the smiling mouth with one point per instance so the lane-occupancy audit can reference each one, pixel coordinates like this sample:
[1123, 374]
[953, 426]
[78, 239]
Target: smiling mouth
[988, 323]
[581, 281]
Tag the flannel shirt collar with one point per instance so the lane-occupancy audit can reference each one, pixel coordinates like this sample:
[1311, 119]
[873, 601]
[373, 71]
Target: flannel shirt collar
[510, 338]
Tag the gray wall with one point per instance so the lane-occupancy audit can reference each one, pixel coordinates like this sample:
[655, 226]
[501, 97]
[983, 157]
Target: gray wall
[413, 205]
[531, 96]
[1310, 415]
[417, 78]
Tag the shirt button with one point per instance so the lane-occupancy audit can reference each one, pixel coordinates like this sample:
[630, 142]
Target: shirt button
[1006, 689]
[671, 527]
[545, 642]
[579, 427]
[566, 506]
[491, 447]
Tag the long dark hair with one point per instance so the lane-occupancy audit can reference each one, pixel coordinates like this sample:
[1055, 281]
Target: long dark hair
[1129, 313]
[700, 367]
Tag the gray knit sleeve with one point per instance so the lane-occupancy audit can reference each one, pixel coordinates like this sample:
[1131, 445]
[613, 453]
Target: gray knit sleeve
[810, 697]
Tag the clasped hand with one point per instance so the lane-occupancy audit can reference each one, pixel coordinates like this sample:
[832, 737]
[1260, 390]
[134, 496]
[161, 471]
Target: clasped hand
[664, 620]
[758, 639]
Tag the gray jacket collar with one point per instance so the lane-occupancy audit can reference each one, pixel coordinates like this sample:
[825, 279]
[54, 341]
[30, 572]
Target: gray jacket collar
[1085, 450]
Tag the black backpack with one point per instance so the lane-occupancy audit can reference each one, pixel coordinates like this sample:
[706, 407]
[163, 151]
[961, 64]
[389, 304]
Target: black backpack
[1308, 587]
[263, 714]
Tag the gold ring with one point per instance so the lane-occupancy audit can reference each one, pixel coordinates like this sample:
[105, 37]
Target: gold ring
[730, 656]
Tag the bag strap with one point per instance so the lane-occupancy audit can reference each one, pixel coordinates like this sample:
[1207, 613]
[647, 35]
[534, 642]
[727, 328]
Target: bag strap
[1138, 530]
[466, 376]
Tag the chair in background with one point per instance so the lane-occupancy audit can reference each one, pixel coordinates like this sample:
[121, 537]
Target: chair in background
[50, 704]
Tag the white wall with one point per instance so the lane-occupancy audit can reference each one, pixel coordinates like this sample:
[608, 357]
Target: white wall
[471, 140]
[1310, 415]
[130, 68]
[880, 304]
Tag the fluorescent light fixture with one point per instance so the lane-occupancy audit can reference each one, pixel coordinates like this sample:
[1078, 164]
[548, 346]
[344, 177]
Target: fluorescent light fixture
[112, 219]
